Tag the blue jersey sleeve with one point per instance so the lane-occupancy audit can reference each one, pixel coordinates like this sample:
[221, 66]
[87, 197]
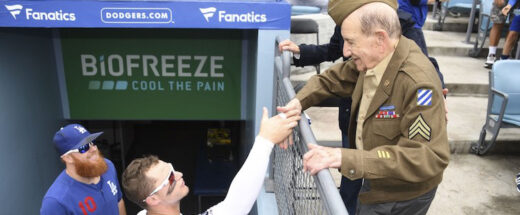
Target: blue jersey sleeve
[112, 169]
[51, 206]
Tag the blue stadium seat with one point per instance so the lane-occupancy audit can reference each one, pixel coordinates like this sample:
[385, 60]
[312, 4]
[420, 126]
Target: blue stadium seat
[300, 10]
[484, 27]
[503, 102]
[458, 7]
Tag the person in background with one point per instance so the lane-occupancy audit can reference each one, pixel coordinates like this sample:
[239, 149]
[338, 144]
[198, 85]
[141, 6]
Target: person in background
[514, 28]
[89, 184]
[498, 19]
[419, 11]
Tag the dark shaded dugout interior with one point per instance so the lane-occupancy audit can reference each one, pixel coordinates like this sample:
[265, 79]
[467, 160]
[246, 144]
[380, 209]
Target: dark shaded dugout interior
[183, 143]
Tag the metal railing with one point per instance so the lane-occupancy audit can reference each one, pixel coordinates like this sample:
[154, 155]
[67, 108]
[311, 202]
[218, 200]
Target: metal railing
[296, 191]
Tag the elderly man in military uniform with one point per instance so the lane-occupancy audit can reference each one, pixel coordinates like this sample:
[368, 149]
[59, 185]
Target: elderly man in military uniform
[401, 145]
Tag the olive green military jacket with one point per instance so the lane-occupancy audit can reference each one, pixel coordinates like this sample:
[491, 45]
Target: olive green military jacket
[404, 134]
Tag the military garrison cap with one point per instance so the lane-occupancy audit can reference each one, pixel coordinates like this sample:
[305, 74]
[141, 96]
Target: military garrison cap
[340, 9]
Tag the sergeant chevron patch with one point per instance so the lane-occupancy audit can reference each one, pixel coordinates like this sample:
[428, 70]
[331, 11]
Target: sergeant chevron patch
[419, 127]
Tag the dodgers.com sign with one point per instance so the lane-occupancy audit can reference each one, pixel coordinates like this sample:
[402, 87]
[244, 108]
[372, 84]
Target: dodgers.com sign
[136, 15]
[144, 14]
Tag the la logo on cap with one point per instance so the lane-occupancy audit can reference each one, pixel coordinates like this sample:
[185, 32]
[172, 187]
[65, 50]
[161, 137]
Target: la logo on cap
[80, 129]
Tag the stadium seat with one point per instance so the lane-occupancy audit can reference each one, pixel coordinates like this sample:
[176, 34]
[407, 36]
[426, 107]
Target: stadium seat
[457, 7]
[300, 10]
[503, 102]
[484, 26]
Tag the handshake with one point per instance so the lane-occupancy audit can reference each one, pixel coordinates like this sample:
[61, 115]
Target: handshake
[318, 157]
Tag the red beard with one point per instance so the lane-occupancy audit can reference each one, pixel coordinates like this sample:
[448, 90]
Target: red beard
[90, 169]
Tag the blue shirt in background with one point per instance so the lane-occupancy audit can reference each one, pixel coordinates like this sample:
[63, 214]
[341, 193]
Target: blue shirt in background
[418, 11]
[68, 196]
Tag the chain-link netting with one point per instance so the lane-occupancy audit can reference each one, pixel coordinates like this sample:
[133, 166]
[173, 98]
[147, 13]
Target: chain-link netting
[295, 190]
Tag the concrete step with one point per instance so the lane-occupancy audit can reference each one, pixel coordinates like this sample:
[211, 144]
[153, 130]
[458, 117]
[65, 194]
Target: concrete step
[464, 75]
[466, 116]
[478, 185]
[443, 43]
[451, 24]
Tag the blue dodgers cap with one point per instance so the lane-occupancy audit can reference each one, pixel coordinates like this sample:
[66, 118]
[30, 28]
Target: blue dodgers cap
[72, 137]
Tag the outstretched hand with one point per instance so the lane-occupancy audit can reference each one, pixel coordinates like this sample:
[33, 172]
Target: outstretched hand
[279, 127]
[293, 105]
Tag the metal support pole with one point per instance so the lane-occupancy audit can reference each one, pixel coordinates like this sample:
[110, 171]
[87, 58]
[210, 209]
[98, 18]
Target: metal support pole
[471, 22]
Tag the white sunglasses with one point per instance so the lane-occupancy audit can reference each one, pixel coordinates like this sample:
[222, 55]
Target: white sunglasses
[170, 179]
[82, 149]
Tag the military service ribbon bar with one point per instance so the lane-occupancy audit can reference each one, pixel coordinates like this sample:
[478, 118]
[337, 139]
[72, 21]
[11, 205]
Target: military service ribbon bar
[387, 115]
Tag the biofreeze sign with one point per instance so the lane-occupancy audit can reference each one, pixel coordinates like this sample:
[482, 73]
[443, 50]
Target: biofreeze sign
[152, 74]
[149, 65]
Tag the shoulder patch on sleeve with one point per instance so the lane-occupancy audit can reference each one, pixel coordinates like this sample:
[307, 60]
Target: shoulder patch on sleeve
[424, 97]
[419, 127]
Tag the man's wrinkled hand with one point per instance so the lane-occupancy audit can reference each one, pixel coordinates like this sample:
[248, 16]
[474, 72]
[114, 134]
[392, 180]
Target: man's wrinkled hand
[289, 46]
[319, 157]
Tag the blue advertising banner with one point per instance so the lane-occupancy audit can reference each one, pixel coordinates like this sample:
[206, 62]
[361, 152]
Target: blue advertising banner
[146, 14]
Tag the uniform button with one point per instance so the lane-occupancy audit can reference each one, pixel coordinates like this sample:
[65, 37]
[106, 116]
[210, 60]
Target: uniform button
[352, 172]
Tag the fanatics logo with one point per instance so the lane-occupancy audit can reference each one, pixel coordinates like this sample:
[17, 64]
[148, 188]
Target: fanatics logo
[14, 9]
[208, 12]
